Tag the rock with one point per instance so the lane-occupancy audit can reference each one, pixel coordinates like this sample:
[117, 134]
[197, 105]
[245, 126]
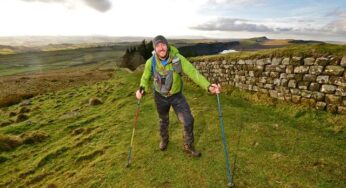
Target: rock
[322, 79]
[332, 108]
[316, 70]
[321, 105]
[318, 96]
[303, 85]
[321, 61]
[306, 94]
[301, 69]
[292, 84]
[309, 77]
[333, 99]
[296, 61]
[95, 101]
[289, 69]
[334, 70]
[276, 61]
[309, 61]
[296, 99]
[343, 61]
[308, 102]
[342, 110]
[286, 61]
[330, 89]
[25, 103]
[295, 91]
[341, 91]
[314, 86]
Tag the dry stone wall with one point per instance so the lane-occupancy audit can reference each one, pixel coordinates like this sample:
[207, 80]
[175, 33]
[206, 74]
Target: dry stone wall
[316, 82]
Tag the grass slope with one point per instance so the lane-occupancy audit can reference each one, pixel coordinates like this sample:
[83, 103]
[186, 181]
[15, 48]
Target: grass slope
[73, 144]
[312, 50]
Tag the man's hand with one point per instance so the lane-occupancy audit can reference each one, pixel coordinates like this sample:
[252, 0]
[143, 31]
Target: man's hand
[214, 88]
[139, 93]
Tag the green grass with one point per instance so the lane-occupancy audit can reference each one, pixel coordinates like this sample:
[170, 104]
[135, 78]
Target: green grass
[312, 50]
[274, 145]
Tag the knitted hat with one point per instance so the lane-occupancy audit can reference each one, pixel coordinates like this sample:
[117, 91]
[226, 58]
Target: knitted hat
[158, 39]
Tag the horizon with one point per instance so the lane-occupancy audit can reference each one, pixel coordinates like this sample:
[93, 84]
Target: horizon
[211, 19]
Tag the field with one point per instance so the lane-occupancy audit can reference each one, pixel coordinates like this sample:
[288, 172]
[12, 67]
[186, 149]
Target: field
[73, 128]
[67, 142]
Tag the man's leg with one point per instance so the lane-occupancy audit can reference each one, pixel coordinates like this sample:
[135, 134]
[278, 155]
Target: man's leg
[182, 109]
[162, 107]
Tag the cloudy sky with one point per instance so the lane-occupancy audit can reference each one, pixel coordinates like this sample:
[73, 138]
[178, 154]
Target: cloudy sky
[294, 19]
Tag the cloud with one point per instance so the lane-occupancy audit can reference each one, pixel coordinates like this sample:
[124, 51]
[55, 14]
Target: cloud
[334, 27]
[218, 2]
[235, 24]
[337, 13]
[99, 5]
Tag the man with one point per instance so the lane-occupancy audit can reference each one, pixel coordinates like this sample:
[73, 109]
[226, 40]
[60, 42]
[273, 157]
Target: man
[166, 67]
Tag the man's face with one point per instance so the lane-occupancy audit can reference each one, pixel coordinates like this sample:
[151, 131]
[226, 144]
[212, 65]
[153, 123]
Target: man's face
[161, 50]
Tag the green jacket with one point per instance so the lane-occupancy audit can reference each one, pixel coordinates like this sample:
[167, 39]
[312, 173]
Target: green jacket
[187, 68]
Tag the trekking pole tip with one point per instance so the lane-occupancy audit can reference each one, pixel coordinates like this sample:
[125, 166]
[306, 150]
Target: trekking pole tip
[230, 184]
[128, 165]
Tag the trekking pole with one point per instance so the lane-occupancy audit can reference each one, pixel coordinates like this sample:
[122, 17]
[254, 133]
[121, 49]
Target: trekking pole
[133, 134]
[229, 176]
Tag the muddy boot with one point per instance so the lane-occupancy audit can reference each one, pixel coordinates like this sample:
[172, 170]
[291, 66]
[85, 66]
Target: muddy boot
[163, 144]
[191, 151]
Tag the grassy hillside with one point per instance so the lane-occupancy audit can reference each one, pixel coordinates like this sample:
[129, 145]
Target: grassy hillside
[312, 50]
[13, 64]
[65, 142]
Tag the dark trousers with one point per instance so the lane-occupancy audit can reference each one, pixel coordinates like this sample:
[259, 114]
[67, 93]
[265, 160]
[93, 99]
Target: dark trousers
[183, 112]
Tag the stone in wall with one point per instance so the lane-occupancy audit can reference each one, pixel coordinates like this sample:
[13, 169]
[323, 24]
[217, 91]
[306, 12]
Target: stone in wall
[333, 99]
[296, 99]
[286, 61]
[306, 94]
[333, 70]
[343, 61]
[316, 70]
[289, 69]
[332, 108]
[296, 61]
[314, 86]
[309, 77]
[318, 95]
[308, 102]
[341, 91]
[341, 110]
[321, 61]
[292, 84]
[276, 61]
[301, 69]
[321, 105]
[329, 89]
[309, 61]
[322, 79]
[303, 85]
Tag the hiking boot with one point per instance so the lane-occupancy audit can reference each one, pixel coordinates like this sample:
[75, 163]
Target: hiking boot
[191, 151]
[163, 145]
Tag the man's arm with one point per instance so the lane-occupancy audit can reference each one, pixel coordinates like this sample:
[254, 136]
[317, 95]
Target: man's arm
[193, 73]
